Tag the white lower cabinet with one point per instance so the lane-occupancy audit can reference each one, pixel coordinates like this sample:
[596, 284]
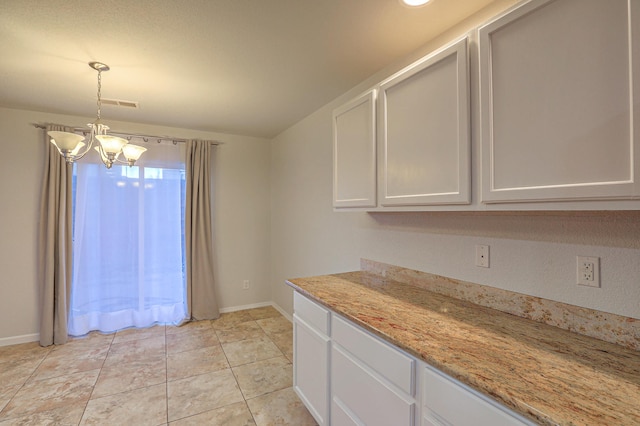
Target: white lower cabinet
[371, 381]
[340, 416]
[364, 396]
[311, 357]
[447, 402]
[347, 376]
[376, 355]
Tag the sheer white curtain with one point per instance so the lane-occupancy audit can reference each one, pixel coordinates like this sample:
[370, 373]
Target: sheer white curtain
[129, 247]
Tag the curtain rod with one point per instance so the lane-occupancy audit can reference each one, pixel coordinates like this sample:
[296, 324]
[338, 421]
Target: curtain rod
[129, 136]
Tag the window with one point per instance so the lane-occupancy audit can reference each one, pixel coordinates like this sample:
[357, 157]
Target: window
[128, 243]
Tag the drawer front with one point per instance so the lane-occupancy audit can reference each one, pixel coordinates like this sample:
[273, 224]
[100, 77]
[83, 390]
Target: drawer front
[387, 361]
[311, 313]
[448, 402]
[368, 400]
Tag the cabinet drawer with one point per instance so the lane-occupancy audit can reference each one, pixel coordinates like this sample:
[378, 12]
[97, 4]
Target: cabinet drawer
[368, 400]
[390, 363]
[448, 402]
[311, 313]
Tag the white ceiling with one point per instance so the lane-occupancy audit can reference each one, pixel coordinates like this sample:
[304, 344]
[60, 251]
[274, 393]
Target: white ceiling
[251, 67]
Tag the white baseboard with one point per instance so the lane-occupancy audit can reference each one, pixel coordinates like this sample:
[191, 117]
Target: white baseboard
[14, 340]
[257, 305]
[243, 307]
[282, 311]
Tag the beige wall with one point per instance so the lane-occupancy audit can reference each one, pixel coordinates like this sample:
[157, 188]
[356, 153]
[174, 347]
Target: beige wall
[241, 215]
[532, 253]
[19, 192]
[274, 221]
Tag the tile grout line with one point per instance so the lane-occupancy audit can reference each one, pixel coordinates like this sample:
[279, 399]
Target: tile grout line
[49, 349]
[93, 388]
[268, 393]
[216, 332]
[246, 403]
[232, 372]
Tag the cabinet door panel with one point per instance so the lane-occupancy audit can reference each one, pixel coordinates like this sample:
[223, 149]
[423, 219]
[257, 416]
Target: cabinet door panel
[354, 153]
[447, 402]
[425, 132]
[371, 400]
[340, 417]
[556, 103]
[311, 369]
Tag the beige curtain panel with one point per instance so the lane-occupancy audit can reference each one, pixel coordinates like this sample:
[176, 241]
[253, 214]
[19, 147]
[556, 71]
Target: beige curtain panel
[201, 300]
[55, 244]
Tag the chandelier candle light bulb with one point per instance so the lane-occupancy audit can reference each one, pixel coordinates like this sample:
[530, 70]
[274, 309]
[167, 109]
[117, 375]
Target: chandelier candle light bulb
[110, 147]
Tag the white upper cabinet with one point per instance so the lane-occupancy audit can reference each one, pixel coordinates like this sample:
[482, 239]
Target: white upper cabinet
[424, 131]
[558, 85]
[354, 153]
[558, 103]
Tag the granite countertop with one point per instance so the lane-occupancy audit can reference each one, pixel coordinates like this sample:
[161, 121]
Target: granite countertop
[547, 374]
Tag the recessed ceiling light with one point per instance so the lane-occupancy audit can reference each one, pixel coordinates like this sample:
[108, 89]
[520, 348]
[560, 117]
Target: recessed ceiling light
[415, 3]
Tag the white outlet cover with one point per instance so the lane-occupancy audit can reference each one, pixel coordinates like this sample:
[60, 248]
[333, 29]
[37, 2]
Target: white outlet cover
[583, 268]
[482, 256]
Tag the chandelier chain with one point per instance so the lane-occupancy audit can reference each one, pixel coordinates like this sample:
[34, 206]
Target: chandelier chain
[99, 102]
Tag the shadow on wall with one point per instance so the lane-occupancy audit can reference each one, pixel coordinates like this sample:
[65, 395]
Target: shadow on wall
[601, 228]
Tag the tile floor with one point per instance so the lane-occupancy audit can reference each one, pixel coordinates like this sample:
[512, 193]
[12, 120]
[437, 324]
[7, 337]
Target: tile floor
[236, 370]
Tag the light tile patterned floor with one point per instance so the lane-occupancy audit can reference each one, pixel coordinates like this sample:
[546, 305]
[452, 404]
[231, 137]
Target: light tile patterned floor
[235, 370]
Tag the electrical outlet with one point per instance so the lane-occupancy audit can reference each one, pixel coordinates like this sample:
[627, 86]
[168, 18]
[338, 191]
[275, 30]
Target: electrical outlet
[588, 271]
[246, 285]
[482, 256]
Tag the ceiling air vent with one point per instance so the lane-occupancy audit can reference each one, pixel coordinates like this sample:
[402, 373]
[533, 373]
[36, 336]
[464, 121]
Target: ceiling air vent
[120, 103]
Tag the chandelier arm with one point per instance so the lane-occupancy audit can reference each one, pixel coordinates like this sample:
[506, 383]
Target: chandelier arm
[127, 162]
[104, 157]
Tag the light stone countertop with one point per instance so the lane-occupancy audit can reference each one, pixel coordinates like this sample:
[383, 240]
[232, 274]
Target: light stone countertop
[547, 374]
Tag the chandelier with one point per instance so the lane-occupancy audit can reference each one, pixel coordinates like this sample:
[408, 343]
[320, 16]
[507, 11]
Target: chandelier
[109, 147]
